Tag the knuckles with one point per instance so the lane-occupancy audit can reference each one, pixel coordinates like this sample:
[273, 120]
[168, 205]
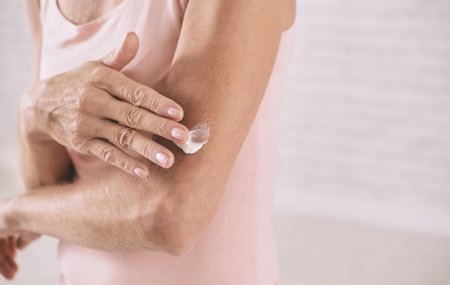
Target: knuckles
[148, 150]
[133, 117]
[75, 130]
[100, 71]
[154, 104]
[77, 125]
[124, 137]
[79, 143]
[73, 125]
[83, 99]
[123, 163]
[136, 96]
[158, 127]
[107, 153]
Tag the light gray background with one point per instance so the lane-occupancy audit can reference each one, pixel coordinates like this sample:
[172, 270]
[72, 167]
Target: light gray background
[364, 188]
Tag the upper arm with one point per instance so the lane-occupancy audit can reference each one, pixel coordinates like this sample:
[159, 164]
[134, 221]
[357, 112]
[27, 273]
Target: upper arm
[219, 75]
[34, 22]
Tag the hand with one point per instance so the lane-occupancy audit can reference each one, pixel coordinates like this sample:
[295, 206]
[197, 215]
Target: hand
[8, 251]
[11, 240]
[8, 265]
[97, 110]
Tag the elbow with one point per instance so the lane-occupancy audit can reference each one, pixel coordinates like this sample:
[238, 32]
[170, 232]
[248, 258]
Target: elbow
[176, 231]
[182, 215]
[177, 244]
[177, 240]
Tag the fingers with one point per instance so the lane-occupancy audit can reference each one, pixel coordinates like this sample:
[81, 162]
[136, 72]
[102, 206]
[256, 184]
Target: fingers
[137, 118]
[120, 86]
[116, 157]
[11, 242]
[130, 140]
[8, 267]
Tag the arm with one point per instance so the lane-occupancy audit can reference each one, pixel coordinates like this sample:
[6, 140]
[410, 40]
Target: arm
[40, 164]
[47, 162]
[219, 74]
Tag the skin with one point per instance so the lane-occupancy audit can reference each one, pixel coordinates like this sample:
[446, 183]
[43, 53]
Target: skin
[168, 208]
[76, 108]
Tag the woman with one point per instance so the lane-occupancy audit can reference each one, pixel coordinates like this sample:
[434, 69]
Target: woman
[98, 128]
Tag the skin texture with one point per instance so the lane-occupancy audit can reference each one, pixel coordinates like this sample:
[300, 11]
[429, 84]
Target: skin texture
[80, 110]
[167, 210]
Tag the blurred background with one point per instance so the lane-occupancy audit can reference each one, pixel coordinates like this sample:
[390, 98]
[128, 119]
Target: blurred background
[364, 185]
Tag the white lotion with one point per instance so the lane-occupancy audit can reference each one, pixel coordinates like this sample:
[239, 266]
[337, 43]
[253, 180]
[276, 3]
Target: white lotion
[198, 136]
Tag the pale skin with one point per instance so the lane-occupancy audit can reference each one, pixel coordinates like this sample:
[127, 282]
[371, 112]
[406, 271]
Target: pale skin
[162, 206]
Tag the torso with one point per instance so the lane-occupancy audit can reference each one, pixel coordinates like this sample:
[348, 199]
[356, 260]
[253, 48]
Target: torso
[238, 246]
[84, 11]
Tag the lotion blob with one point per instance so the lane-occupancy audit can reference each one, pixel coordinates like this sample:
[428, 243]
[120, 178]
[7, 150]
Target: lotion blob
[198, 136]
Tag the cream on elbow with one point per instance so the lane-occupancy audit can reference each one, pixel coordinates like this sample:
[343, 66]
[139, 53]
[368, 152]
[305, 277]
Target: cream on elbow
[198, 136]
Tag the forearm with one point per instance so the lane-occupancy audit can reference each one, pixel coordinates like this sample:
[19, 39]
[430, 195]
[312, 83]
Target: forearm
[43, 162]
[112, 214]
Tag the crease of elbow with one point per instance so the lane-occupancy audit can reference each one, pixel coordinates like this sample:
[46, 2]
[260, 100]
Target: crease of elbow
[173, 231]
[178, 244]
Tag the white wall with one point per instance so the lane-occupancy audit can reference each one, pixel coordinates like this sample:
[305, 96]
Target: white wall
[366, 119]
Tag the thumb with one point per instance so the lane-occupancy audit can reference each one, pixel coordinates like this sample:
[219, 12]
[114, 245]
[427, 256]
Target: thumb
[119, 58]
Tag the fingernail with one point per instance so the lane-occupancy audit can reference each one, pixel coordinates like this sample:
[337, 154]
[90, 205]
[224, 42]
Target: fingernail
[162, 158]
[178, 133]
[140, 172]
[175, 113]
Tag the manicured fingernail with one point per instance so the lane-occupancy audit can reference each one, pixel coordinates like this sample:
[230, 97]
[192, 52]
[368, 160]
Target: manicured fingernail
[178, 133]
[175, 113]
[140, 172]
[162, 158]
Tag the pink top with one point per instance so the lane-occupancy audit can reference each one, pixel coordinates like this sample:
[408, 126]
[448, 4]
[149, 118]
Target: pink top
[238, 246]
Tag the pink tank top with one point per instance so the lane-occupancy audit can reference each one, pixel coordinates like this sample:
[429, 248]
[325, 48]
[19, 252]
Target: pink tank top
[237, 247]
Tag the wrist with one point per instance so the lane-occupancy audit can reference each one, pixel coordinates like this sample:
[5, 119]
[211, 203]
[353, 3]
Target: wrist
[31, 127]
[12, 219]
